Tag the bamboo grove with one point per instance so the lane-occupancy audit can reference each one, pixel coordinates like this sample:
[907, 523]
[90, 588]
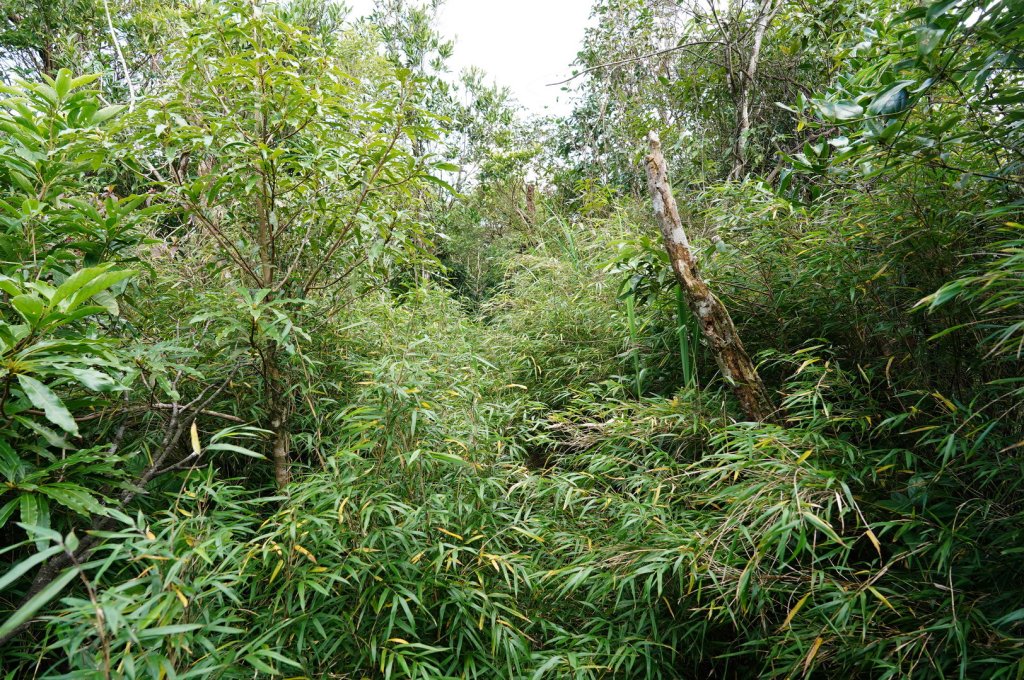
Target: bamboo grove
[322, 360]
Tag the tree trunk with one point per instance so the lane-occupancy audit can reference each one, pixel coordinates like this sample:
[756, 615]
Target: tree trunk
[715, 323]
[282, 446]
[279, 409]
[531, 203]
[745, 83]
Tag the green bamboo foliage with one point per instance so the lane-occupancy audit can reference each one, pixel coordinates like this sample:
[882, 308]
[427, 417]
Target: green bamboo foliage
[688, 340]
[527, 473]
[634, 344]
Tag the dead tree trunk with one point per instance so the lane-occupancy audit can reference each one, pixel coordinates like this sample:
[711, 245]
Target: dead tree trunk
[715, 323]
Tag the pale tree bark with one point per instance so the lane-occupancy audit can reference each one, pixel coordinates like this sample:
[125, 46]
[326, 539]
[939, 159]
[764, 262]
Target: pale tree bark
[715, 323]
[744, 83]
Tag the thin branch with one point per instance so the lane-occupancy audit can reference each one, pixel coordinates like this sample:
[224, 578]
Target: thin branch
[120, 56]
[148, 407]
[628, 60]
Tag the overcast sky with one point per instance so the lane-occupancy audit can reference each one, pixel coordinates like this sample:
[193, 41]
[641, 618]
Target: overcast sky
[522, 44]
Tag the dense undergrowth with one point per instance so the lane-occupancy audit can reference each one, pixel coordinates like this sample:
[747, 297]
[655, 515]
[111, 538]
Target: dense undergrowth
[509, 453]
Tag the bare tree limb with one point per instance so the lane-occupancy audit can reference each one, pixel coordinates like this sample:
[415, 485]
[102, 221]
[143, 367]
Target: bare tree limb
[642, 57]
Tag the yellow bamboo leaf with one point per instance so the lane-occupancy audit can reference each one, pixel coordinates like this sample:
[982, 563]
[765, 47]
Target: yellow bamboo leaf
[812, 653]
[805, 365]
[793, 611]
[299, 549]
[399, 641]
[880, 272]
[181, 597]
[277, 570]
[874, 541]
[196, 448]
[950, 405]
[528, 534]
[882, 599]
[341, 510]
[449, 533]
[805, 456]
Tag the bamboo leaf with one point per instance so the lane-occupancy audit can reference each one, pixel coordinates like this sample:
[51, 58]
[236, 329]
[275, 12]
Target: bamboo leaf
[37, 602]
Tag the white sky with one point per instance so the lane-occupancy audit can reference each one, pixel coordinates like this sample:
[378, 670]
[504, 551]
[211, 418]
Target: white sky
[522, 44]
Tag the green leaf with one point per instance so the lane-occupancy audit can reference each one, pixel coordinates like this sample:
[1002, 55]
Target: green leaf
[10, 463]
[81, 81]
[824, 527]
[35, 512]
[92, 379]
[31, 307]
[163, 631]
[938, 9]
[99, 284]
[75, 282]
[929, 38]
[8, 286]
[7, 510]
[40, 600]
[73, 497]
[841, 110]
[106, 113]
[892, 101]
[439, 182]
[237, 449]
[43, 397]
[51, 436]
[448, 458]
[22, 567]
[57, 319]
[62, 85]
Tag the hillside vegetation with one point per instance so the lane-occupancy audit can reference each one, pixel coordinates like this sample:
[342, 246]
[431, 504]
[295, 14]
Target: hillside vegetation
[321, 361]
